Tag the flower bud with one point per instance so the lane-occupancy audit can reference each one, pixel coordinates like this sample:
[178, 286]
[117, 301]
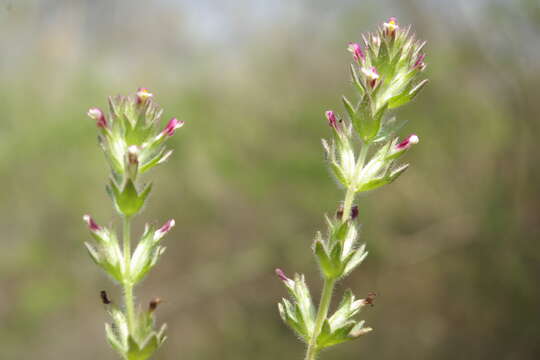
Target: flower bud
[419, 63]
[97, 115]
[91, 224]
[405, 144]
[391, 27]
[332, 121]
[172, 125]
[371, 75]
[143, 95]
[356, 50]
[152, 306]
[370, 298]
[164, 229]
[282, 275]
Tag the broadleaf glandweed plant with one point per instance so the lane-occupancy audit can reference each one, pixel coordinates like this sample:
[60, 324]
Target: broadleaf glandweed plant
[132, 144]
[384, 75]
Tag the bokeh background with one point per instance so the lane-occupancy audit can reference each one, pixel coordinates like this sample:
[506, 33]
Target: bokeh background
[454, 244]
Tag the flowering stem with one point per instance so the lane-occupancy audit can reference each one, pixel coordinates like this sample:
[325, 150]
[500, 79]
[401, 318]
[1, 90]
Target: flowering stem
[329, 284]
[326, 298]
[128, 286]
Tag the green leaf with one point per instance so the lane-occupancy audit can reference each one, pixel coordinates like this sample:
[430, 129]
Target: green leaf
[325, 334]
[406, 96]
[335, 257]
[113, 340]
[339, 174]
[373, 184]
[348, 107]
[357, 82]
[128, 201]
[358, 257]
[368, 123]
[326, 265]
[397, 173]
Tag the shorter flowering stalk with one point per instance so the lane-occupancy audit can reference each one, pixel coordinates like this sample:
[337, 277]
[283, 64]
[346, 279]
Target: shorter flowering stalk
[133, 144]
[384, 74]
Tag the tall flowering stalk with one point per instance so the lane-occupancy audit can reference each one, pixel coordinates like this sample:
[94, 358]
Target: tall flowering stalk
[363, 156]
[133, 143]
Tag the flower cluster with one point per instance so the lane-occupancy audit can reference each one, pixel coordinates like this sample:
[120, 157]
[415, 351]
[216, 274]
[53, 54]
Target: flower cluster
[133, 143]
[385, 75]
[363, 156]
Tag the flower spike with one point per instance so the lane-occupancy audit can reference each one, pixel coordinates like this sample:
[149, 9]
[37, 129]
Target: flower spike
[362, 155]
[133, 143]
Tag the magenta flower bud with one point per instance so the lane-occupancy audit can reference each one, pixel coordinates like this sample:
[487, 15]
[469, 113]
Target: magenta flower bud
[371, 75]
[405, 144]
[91, 223]
[164, 229]
[356, 50]
[97, 115]
[173, 124]
[390, 27]
[143, 95]
[282, 275]
[332, 121]
[419, 64]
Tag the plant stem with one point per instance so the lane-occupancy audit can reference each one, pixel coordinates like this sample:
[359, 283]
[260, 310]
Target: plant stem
[128, 286]
[326, 298]
[328, 288]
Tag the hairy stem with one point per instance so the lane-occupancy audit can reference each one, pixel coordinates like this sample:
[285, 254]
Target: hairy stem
[326, 298]
[128, 285]
[329, 284]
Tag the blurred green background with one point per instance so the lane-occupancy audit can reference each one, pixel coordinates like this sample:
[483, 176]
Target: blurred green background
[454, 244]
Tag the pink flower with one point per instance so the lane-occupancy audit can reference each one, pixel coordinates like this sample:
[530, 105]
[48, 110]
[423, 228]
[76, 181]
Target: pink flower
[91, 223]
[282, 275]
[97, 115]
[371, 75]
[419, 64]
[390, 27]
[356, 50]
[332, 121]
[405, 144]
[172, 125]
[164, 229]
[143, 94]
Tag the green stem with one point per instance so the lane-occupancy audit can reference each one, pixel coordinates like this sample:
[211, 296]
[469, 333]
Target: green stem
[326, 298]
[329, 284]
[350, 194]
[128, 285]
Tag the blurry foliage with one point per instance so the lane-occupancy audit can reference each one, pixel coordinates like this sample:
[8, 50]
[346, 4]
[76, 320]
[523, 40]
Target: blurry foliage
[454, 243]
